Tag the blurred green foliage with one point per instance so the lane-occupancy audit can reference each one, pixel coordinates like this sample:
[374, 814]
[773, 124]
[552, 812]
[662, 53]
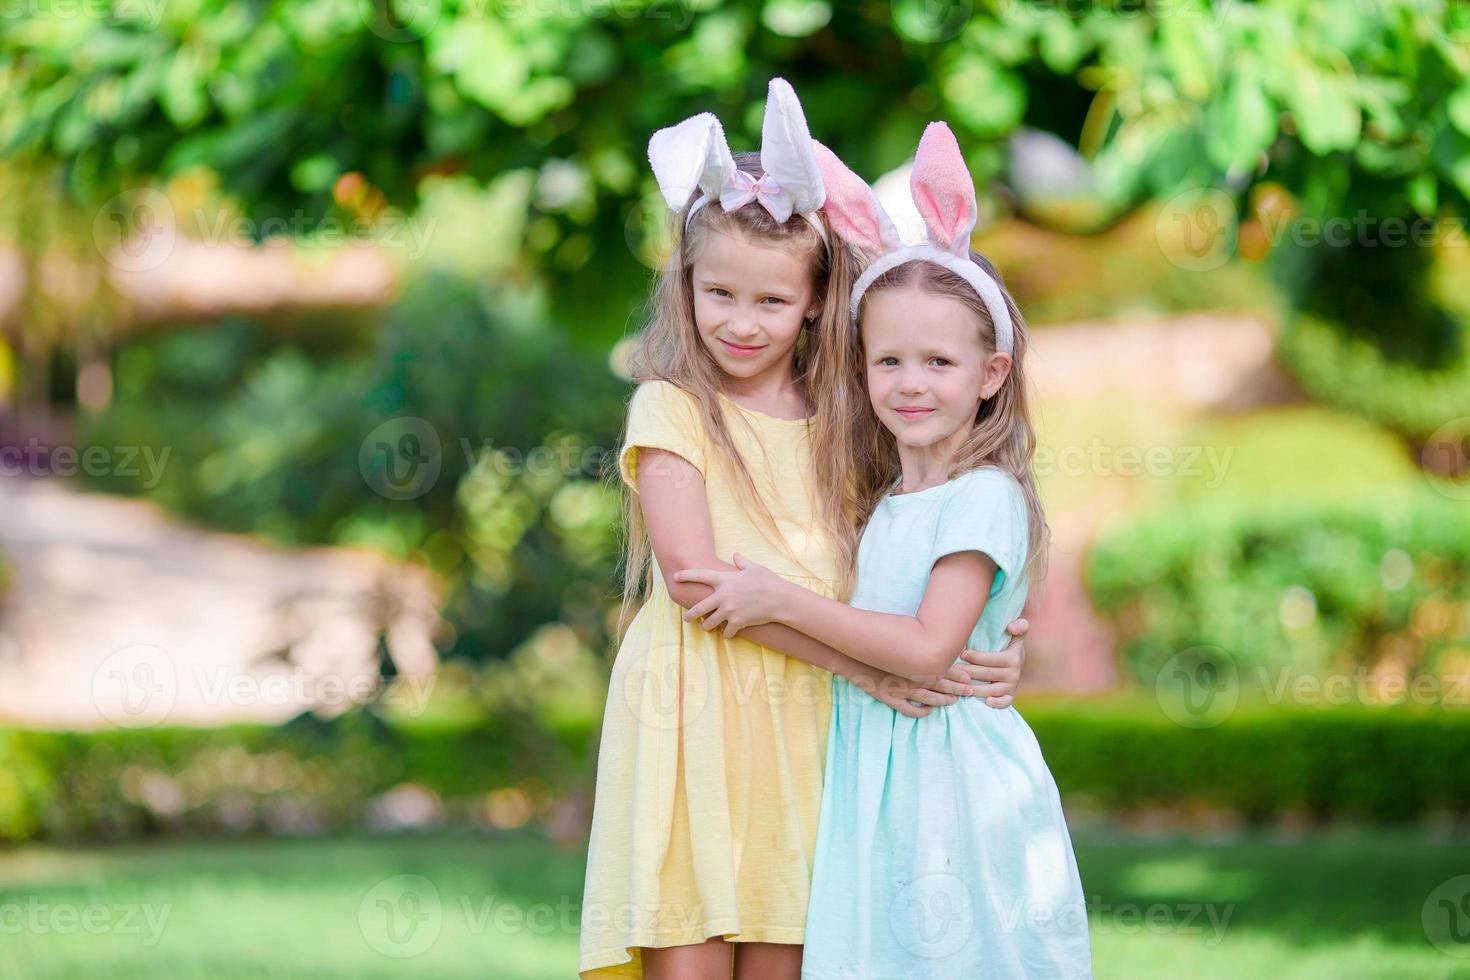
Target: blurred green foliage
[284, 98]
[1316, 546]
[1338, 368]
[280, 434]
[1378, 585]
[1367, 107]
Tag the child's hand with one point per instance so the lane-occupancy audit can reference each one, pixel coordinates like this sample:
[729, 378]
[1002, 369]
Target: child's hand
[747, 597]
[997, 675]
[912, 698]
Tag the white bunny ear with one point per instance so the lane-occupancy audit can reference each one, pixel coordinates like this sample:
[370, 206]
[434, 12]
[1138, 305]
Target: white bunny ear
[692, 154]
[786, 148]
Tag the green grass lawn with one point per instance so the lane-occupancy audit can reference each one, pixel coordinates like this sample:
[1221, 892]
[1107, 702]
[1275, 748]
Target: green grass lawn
[1348, 905]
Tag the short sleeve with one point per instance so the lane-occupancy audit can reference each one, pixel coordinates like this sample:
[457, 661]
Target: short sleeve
[984, 512]
[661, 416]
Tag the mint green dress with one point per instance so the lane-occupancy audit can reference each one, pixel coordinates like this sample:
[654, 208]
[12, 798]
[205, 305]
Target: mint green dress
[942, 851]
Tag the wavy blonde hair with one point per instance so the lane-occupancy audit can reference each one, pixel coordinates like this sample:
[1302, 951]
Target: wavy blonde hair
[669, 348]
[1002, 436]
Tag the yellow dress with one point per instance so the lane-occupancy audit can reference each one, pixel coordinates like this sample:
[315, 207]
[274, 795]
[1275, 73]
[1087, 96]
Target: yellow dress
[709, 774]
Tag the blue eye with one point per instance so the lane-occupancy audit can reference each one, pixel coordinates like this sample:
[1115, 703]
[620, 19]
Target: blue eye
[942, 360]
[888, 361]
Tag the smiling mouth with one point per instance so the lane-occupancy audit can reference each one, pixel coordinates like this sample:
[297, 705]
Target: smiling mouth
[914, 413]
[740, 351]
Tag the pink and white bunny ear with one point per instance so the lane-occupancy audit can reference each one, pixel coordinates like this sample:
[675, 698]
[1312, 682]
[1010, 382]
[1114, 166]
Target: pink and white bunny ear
[692, 154]
[943, 190]
[786, 148]
[853, 208]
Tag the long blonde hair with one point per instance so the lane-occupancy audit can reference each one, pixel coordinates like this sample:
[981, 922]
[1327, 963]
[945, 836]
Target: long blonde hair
[669, 348]
[1002, 436]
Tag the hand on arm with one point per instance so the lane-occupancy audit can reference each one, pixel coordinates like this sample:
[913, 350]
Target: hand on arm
[996, 675]
[898, 693]
[756, 594]
[911, 646]
[676, 513]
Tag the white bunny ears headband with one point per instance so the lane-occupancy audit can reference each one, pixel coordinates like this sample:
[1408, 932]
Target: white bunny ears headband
[695, 154]
[945, 195]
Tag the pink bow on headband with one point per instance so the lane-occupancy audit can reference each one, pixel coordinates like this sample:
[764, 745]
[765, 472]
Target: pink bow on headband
[742, 188]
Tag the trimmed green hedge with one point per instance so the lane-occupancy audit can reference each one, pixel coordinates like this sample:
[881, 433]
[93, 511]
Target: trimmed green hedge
[1353, 374]
[1290, 586]
[305, 775]
[1121, 754]
[1380, 763]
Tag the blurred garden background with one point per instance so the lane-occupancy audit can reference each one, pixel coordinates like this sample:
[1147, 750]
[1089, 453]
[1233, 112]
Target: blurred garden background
[313, 327]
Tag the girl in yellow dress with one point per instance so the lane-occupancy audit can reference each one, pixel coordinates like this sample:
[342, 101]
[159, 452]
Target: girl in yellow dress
[710, 767]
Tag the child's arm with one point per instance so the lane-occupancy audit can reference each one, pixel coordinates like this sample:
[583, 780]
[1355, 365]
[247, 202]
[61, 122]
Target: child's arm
[992, 673]
[909, 646]
[676, 513]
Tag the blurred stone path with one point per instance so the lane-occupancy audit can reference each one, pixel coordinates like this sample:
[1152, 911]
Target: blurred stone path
[118, 615]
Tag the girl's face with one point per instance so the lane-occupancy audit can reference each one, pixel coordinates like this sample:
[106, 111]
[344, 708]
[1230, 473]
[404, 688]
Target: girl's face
[927, 367]
[750, 301]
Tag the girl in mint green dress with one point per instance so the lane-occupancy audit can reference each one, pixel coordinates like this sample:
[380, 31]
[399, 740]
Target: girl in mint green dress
[942, 849]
